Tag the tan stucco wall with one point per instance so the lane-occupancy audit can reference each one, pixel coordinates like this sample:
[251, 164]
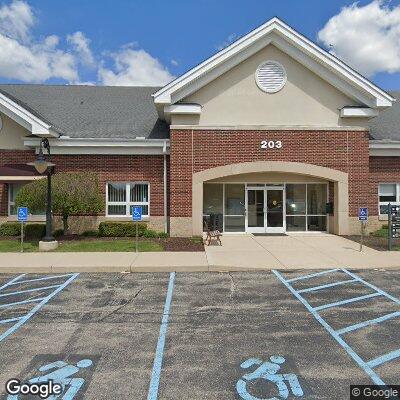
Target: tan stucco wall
[268, 177]
[235, 99]
[12, 134]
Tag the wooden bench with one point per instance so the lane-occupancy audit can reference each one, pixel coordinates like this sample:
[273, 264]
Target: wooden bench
[212, 234]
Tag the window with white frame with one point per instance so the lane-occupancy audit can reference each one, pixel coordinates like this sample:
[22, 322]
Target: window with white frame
[388, 193]
[122, 196]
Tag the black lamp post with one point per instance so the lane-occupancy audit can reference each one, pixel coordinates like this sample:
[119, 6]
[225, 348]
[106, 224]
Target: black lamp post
[42, 166]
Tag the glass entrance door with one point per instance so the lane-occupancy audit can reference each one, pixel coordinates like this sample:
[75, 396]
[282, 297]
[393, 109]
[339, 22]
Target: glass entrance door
[255, 218]
[274, 210]
[265, 210]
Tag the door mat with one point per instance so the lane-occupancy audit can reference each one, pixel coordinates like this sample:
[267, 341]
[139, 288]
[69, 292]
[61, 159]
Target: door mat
[269, 234]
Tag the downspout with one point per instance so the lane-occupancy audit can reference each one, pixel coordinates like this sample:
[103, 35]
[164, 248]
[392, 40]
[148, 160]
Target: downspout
[165, 188]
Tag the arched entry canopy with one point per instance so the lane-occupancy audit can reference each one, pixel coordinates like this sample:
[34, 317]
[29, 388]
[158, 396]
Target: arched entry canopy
[340, 181]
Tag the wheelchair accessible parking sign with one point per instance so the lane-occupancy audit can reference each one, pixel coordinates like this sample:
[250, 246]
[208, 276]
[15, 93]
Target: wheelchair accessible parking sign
[363, 214]
[137, 213]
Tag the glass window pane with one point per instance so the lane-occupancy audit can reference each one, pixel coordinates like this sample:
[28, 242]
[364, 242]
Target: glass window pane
[316, 198]
[295, 199]
[316, 223]
[387, 192]
[212, 199]
[383, 209]
[295, 223]
[234, 224]
[145, 209]
[116, 210]
[117, 192]
[234, 200]
[139, 192]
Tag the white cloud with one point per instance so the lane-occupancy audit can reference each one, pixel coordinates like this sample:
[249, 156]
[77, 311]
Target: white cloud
[16, 20]
[134, 67]
[366, 37]
[174, 63]
[27, 59]
[30, 59]
[81, 45]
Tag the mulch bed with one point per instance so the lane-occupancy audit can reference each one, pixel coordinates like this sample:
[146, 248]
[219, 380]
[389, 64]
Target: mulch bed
[377, 243]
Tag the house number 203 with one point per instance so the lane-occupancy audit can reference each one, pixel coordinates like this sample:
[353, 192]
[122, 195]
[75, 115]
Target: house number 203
[271, 144]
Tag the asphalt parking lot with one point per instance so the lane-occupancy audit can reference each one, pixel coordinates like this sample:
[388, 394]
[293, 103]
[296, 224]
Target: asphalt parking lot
[199, 336]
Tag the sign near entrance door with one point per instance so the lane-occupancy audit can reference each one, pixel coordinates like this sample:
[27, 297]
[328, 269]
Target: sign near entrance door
[363, 214]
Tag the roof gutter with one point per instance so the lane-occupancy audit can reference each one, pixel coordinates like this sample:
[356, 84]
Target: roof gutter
[384, 148]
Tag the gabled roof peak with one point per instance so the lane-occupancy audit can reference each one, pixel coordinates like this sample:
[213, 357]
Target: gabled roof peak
[278, 33]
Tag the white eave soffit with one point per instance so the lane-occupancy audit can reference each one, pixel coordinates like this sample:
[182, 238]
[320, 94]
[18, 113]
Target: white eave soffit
[295, 45]
[25, 118]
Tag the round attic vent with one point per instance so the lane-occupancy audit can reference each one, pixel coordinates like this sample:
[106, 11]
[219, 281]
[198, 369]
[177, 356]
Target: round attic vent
[271, 76]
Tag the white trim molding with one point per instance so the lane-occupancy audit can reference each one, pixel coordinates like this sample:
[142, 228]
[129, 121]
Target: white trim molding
[358, 112]
[384, 148]
[181, 109]
[25, 118]
[137, 146]
[284, 37]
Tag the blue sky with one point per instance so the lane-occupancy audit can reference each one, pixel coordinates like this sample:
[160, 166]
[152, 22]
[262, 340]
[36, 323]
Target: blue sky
[150, 42]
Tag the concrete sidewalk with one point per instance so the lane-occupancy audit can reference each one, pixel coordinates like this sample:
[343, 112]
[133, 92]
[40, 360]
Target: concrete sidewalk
[238, 253]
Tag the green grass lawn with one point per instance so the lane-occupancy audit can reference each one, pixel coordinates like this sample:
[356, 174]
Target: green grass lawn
[83, 245]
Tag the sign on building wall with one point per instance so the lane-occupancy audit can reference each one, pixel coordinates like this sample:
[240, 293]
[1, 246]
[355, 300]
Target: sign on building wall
[271, 144]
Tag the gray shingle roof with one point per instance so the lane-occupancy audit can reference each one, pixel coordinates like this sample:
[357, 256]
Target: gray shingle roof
[386, 126]
[92, 111]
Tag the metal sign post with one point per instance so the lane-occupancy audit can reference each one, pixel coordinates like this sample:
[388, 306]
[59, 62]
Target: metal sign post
[22, 214]
[136, 217]
[363, 218]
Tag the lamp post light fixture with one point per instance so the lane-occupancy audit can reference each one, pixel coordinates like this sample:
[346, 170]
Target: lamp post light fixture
[42, 165]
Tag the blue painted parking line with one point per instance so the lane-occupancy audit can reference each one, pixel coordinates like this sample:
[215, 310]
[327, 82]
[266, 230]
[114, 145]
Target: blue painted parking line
[19, 321]
[17, 303]
[368, 323]
[385, 358]
[45, 278]
[12, 282]
[329, 285]
[156, 373]
[347, 301]
[367, 366]
[298, 278]
[28, 290]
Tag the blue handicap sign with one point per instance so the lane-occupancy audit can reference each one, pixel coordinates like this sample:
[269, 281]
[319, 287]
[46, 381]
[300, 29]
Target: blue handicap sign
[22, 213]
[285, 384]
[137, 213]
[363, 214]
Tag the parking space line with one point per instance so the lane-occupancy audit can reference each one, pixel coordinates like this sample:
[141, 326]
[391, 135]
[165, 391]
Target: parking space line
[347, 301]
[17, 303]
[328, 285]
[7, 321]
[156, 373]
[38, 279]
[368, 323]
[12, 281]
[382, 359]
[22, 320]
[367, 367]
[29, 290]
[298, 278]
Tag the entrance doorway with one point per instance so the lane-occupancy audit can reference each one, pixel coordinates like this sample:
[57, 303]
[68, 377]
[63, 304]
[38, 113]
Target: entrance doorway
[265, 209]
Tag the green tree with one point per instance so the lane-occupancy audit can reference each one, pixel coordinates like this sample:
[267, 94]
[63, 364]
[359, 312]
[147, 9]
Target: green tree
[73, 193]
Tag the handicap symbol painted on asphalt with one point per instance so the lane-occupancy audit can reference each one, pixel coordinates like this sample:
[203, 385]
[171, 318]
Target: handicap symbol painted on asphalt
[63, 374]
[268, 371]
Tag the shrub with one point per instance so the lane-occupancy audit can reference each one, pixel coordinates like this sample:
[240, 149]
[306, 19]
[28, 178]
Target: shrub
[385, 226]
[10, 229]
[90, 233]
[121, 229]
[35, 231]
[162, 235]
[58, 232]
[149, 233]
